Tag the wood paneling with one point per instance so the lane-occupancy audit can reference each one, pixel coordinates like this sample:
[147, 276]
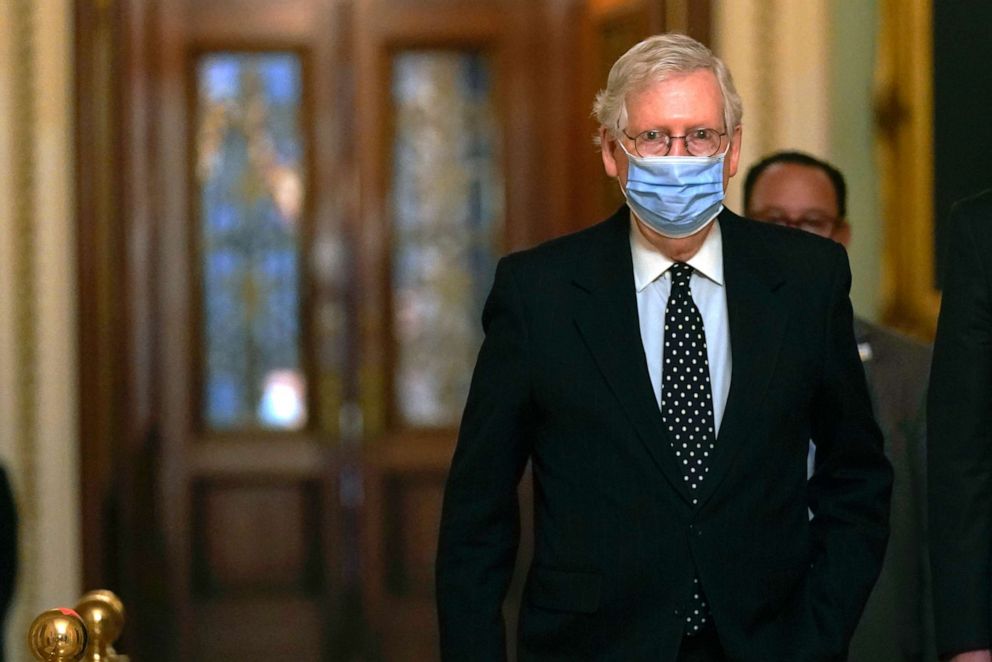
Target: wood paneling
[402, 514]
[116, 233]
[287, 629]
[280, 521]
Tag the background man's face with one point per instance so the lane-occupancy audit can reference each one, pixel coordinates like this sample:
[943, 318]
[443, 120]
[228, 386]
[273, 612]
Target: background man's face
[676, 106]
[799, 196]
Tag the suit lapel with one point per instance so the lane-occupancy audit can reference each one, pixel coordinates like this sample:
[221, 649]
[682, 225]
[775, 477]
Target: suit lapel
[757, 321]
[608, 323]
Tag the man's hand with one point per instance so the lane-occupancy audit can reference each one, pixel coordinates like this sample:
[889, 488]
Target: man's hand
[973, 656]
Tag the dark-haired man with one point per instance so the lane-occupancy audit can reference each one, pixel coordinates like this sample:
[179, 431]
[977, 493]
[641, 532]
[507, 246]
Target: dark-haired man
[801, 191]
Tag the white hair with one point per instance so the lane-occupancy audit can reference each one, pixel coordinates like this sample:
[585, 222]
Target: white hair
[653, 60]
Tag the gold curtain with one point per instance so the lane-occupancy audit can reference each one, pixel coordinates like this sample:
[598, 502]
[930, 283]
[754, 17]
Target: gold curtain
[904, 146]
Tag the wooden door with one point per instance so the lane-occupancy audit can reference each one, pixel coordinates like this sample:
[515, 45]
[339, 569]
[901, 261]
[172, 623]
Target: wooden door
[250, 383]
[419, 141]
[335, 193]
[311, 196]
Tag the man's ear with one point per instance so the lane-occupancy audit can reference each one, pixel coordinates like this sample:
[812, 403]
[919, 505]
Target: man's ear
[607, 147]
[842, 233]
[735, 150]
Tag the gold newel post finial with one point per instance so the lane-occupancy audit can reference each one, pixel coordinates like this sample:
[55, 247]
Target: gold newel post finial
[57, 635]
[103, 614]
[86, 633]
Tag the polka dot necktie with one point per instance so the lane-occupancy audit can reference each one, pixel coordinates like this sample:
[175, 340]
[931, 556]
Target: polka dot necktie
[687, 404]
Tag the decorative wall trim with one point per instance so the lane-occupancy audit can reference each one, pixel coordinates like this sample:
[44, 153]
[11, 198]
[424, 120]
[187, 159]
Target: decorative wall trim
[764, 115]
[745, 34]
[904, 144]
[25, 305]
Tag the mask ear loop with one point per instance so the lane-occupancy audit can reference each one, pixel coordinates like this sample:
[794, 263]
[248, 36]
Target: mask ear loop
[623, 189]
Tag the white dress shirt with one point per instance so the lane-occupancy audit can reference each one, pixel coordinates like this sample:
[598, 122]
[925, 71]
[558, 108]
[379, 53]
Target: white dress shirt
[653, 283]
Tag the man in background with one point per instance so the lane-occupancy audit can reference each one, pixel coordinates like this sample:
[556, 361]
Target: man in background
[959, 425]
[801, 191]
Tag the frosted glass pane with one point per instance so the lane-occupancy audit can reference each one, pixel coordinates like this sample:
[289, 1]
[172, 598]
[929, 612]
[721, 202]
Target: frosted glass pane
[249, 166]
[447, 196]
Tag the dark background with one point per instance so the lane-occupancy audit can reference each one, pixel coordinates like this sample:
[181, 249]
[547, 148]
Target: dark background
[962, 135]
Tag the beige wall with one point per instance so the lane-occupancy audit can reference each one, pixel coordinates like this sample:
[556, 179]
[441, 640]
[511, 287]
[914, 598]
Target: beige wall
[804, 69]
[38, 441]
[852, 143]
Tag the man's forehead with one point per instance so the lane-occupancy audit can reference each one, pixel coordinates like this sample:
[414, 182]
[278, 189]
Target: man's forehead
[789, 176]
[697, 92]
[697, 77]
[786, 184]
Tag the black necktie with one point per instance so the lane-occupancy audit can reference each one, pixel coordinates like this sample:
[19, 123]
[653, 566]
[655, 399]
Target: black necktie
[687, 403]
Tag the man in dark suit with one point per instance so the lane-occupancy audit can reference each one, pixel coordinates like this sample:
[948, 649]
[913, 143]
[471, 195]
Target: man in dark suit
[801, 191]
[663, 371]
[959, 428]
[8, 552]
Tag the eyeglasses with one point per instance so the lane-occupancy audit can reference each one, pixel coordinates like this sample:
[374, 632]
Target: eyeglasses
[698, 142]
[821, 225]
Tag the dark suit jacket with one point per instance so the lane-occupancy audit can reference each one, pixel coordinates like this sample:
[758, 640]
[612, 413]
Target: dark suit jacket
[8, 552]
[959, 429]
[561, 380]
[897, 624]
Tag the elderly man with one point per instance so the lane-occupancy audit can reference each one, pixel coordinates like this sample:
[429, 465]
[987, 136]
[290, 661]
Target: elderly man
[959, 426]
[663, 372]
[801, 191]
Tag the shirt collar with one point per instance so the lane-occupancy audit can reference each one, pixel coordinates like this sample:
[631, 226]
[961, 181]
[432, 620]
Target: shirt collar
[650, 263]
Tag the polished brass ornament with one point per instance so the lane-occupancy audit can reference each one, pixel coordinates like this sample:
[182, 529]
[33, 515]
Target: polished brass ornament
[57, 635]
[85, 633]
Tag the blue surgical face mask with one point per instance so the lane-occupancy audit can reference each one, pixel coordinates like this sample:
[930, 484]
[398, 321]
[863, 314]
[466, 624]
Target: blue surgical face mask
[676, 196]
